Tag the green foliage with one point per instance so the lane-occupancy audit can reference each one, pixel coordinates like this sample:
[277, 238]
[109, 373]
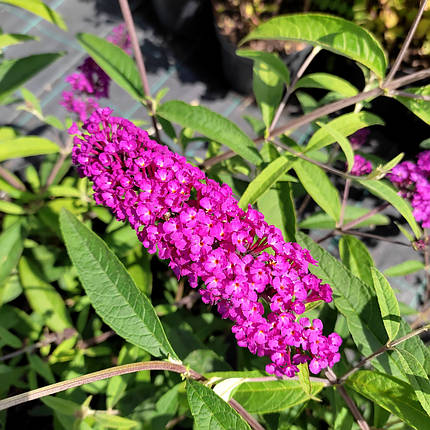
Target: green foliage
[14, 73]
[111, 289]
[329, 32]
[326, 81]
[404, 268]
[41, 9]
[392, 394]
[212, 125]
[115, 62]
[421, 108]
[25, 147]
[13, 39]
[319, 187]
[210, 411]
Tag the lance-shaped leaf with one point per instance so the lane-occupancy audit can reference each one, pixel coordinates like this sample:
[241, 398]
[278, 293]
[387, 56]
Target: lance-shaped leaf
[11, 246]
[14, 73]
[9, 39]
[210, 412]
[421, 108]
[264, 180]
[343, 143]
[357, 301]
[329, 32]
[111, 289]
[329, 82]
[356, 257]
[321, 220]
[270, 75]
[404, 268]
[386, 192]
[388, 303]
[26, 146]
[37, 7]
[120, 67]
[42, 297]
[417, 377]
[346, 125]
[212, 125]
[318, 185]
[392, 394]
[273, 396]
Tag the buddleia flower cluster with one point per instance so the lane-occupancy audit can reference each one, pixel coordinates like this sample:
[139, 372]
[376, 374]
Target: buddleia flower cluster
[413, 182]
[238, 262]
[361, 166]
[90, 82]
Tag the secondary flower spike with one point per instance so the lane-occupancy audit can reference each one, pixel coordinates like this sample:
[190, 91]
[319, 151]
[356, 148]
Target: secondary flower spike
[197, 224]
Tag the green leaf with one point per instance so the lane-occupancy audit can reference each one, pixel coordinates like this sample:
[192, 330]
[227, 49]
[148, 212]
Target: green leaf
[271, 59]
[270, 75]
[113, 421]
[212, 125]
[343, 143]
[326, 81]
[41, 367]
[386, 192]
[268, 177]
[388, 303]
[9, 339]
[63, 406]
[392, 394]
[356, 258]
[304, 378]
[120, 67]
[404, 268]
[11, 246]
[273, 396]
[318, 185]
[355, 300]
[277, 206]
[32, 103]
[25, 147]
[346, 125]
[8, 39]
[329, 32]
[14, 73]
[322, 221]
[210, 412]
[417, 377]
[37, 7]
[111, 290]
[425, 143]
[421, 108]
[43, 297]
[11, 208]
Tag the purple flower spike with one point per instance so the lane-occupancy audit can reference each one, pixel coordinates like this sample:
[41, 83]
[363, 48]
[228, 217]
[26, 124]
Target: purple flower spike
[197, 224]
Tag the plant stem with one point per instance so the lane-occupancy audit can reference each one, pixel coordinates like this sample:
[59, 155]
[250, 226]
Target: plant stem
[115, 371]
[372, 236]
[344, 202]
[10, 179]
[349, 402]
[409, 95]
[364, 217]
[291, 87]
[325, 110]
[131, 29]
[406, 44]
[64, 153]
[384, 348]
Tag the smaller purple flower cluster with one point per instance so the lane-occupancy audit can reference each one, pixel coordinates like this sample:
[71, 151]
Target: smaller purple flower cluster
[91, 82]
[361, 166]
[239, 262]
[413, 182]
